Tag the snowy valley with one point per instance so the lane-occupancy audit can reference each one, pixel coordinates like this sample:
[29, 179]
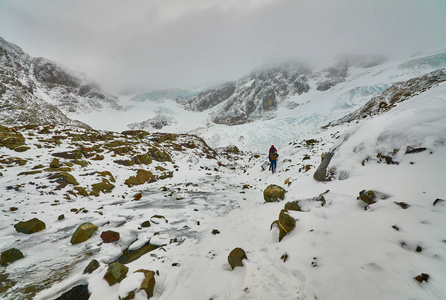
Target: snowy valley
[167, 184]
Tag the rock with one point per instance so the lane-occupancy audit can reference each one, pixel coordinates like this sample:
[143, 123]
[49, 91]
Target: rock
[63, 179]
[146, 224]
[116, 272]
[55, 163]
[131, 255]
[83, 233]
[79, 292]
[422, 277]
[61, 217]
[81, 191]
[31, 226]
[293, 205]
[265, 166]
[287, 181]
[141, 177]
[274, 193]
[321, 172]
[403, 205]
[148, 284]
[367, 196]
[286, 223]
[137, 196]
[371, 197]
[236, 256]
[215, 231]
[155, 219]
[158, 155]
[9, 138]
[110, 236]
[10, 256]
[92, 266]
[410, 150]
[105, 187]
[439, 202]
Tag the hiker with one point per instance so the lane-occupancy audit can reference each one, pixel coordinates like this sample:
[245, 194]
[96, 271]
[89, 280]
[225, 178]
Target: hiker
[272, 156]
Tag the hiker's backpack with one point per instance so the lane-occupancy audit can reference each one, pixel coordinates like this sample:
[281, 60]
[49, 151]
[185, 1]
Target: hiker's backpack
[273, 156]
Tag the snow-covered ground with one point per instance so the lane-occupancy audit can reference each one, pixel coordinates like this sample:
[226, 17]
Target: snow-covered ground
[336, 251]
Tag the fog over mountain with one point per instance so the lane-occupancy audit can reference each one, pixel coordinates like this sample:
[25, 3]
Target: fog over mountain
[161, 44]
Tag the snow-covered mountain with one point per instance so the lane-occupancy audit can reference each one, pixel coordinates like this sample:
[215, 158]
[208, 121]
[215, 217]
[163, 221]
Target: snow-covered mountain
[39, 91]
[356, 210]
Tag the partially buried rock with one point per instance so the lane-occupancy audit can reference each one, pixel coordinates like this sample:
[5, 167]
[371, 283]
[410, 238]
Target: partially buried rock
[55, 163]
[141, 177]
[92, 266]
[286, 223]
[110, 236]
[439, 202]
[367, 196]
[274, 193]
[116, 272]
[148, 284]
[236, 256]
[422, 277]
[30, 226]
[83, 233]
[293, 205]
[146, 224]
[10, 256]
[79, 292]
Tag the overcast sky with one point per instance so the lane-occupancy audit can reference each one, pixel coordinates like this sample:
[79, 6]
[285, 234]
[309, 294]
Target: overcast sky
[156, 44]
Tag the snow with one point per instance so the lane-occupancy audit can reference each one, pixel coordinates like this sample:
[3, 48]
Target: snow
[337, 251]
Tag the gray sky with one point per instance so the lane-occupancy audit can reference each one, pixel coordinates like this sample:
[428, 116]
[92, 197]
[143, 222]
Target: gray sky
[155, 44]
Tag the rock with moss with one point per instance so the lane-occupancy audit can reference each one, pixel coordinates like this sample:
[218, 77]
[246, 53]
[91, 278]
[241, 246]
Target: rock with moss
[55, 164]
[159, 155]
[286, 223]
[81, 191]
[236, 257]
[116, 272]
[292, 205]
[132, 255]
[141, 177]
[91, 267]
[135, 133]
[103, 187]
[10, 138]
[274, 193]
[63, 179]
[9, 256]
[21, 148]
[148, 284]
[75, 154]
[83, 233]
[31, 226]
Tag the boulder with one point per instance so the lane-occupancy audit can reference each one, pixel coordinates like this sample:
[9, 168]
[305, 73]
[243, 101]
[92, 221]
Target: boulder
[92, 266]
[110, 236]
[83, 233]
[321, 172]
[55, 163]
[9, 138]
[10, 256]
[79, 292]
[274, 193]
[148, 284]
[293, 205]
[116, 272]
[31, 226]
[141, 177]
[235, 257]
[286, 223]
[367, 196]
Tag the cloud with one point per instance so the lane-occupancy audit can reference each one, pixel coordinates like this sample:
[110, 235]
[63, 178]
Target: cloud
[180, 43]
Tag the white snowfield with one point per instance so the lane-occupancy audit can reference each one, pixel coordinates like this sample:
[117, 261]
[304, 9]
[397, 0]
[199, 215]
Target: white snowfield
[336, 251]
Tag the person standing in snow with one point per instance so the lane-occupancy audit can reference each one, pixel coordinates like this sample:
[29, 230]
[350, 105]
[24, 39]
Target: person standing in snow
[273, 155]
